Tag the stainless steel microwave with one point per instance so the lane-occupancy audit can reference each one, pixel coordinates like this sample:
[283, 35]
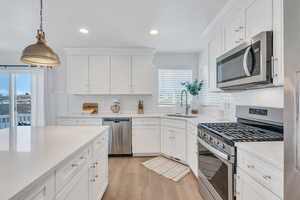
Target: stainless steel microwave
[247, 66]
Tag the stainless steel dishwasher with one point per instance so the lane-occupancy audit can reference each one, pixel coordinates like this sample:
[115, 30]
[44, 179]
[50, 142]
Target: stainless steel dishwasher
[120, 137]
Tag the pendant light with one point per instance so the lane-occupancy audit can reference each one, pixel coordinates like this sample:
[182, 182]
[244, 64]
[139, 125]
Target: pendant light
[39, 53]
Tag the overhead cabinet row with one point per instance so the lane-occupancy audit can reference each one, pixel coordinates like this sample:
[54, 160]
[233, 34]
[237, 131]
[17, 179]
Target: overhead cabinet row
[101, 75]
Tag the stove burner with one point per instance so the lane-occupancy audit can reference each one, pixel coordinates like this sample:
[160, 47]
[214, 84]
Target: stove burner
[238, 132]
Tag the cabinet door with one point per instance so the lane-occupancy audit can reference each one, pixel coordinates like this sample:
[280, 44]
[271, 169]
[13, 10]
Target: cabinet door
[99, 74]
[259, 17]
[170, 142]
[142, 74]
[180, 144]
[41, 191]
[77, 188]
[146, 139]
[78, 74]
[234, 33]
[215, 48]
[248, 189]
[278, 62]
[120, 77]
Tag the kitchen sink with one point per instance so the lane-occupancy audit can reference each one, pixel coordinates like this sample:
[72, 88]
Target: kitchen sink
[182, 115]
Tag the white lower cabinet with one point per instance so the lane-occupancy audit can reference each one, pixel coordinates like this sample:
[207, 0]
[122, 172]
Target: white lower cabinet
[174, 138]
[192, 148]
[146, 136]
[77, 188]
[248, 189]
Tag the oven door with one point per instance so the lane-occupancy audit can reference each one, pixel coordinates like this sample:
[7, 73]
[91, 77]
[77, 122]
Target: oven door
[248, 64]
[215, 173]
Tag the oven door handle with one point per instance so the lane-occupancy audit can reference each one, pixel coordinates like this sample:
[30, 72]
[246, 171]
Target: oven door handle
[213, 150]
[245, 65]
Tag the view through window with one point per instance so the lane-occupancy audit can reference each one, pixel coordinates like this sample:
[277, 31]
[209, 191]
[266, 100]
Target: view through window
[170, 84]
[20, 90]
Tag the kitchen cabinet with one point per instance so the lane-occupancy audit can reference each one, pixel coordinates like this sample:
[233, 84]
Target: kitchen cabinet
[88, 74]
[120, 78]
[142, 74]
[248, 189]
[174, 138]
[77, 74]
[99, 74]
[215, 49]
[192, 148]
[259, 17]
[77, 188]
[278, 57]
[99, 168]
[43, 190]
[146, 136]
[234, 31]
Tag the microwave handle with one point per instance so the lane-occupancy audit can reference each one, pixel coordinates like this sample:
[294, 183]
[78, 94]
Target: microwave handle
[245, 65]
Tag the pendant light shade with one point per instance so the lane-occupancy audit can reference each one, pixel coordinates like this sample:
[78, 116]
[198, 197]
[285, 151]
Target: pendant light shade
[39, 53]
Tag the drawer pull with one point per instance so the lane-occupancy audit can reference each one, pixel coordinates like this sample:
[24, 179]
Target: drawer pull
[96, 163]
[96, 176]
[93, 180]
[267, 177]
[251, 166]
[82, 158]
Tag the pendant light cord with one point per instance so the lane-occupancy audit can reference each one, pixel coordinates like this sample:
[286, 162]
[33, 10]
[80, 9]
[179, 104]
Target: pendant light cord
[41, 16]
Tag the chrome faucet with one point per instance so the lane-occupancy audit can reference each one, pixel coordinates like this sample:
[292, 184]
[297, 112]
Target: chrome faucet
[186, 101]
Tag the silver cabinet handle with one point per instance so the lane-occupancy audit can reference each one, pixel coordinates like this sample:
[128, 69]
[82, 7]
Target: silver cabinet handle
[245, 65]
[267, 177]
[251, 166]
[93, 180]
[74, 165]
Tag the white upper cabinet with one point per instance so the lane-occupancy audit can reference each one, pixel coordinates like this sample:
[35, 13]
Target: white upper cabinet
[234, 31]
[102, 71]
[99, 74]
[142, 74]
[215, 49]
[120, 78]
[259, 17]
[77, 74]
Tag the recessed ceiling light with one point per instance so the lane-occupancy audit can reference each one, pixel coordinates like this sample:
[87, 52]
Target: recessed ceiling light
[154, 32]
[84, 30]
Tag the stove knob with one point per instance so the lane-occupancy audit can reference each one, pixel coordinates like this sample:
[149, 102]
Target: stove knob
[223, 146]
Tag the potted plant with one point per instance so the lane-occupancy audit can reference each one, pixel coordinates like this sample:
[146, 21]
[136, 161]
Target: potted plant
[194, 89]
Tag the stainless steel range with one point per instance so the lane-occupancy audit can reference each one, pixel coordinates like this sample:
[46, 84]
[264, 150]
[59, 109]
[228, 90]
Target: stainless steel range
[217, 152]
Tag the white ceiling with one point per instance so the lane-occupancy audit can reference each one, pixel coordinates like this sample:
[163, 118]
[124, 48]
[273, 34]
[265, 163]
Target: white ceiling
[112, 23]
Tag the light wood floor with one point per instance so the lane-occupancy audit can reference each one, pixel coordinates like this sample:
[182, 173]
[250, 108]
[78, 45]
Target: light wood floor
[129, 180]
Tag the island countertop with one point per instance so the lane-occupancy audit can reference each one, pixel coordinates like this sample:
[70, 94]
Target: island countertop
[28, 153]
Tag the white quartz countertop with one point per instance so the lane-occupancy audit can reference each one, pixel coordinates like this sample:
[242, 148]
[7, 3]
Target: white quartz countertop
[27, 153]
[201, 118]
[271, 152]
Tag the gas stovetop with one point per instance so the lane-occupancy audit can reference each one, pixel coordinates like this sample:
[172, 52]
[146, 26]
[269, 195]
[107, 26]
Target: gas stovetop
[238, 132]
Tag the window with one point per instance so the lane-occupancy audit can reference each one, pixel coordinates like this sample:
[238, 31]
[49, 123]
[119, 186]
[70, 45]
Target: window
[170, 84]
[15, 94]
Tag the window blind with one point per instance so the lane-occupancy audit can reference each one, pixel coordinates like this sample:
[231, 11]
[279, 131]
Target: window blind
[170, 84]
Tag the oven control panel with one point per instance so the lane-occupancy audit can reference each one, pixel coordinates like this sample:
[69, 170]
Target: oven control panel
[215, 142]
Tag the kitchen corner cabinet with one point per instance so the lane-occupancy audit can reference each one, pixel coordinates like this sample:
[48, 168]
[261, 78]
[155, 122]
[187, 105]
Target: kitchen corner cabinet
[120, 78]
[174, 138]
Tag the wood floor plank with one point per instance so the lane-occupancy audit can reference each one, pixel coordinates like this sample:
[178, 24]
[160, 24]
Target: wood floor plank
[130, 180]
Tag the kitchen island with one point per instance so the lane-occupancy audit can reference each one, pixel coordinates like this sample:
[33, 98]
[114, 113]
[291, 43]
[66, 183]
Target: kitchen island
[49, 163]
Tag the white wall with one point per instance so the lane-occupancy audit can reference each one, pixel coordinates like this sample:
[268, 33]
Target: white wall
[63, 104]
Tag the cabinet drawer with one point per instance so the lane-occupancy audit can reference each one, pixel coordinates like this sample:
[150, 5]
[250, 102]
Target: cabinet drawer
[175, 123]
[261, 171]
[66, 172]
[101, 141]
[145, 121]
[79, 121]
